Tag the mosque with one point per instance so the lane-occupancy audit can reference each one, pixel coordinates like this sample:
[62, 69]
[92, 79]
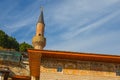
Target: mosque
[65, 65]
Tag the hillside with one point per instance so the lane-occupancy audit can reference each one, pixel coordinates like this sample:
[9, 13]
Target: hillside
[10, 43]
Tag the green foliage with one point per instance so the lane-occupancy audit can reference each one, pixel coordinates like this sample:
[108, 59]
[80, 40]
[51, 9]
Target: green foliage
[24, 46]
[11, 43]
[8, 41]
[3, 39]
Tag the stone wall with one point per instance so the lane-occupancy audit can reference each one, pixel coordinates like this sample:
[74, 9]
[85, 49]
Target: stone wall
[78, 69]
[54, 76]
[16, 68]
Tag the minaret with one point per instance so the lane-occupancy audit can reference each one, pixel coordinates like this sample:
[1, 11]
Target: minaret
[39, 41]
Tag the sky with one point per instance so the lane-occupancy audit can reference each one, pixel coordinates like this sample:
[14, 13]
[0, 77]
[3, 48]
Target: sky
[70, 25]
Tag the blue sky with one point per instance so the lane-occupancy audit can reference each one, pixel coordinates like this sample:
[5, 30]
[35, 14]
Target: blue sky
[71, 25]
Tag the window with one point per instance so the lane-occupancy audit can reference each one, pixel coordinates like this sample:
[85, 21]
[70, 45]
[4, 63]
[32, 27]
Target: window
[59, 69]
[117, 73]
[39, 34]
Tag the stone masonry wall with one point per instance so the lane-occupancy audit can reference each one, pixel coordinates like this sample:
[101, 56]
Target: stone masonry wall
[78, 70]
[16, 68]
[54, 76]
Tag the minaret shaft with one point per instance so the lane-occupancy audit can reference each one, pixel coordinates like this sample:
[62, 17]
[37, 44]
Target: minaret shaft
[40, 29]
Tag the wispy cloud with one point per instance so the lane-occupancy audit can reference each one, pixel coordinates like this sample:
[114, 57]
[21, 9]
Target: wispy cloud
[91, 26]
[13, 22]
[70, 15]
[103, 43]
[77, 22]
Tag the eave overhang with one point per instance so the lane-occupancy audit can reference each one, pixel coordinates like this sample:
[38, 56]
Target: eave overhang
[77, 56]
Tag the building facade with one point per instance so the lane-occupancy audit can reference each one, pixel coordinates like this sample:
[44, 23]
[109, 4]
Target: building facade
[67, 69]
[61, 65]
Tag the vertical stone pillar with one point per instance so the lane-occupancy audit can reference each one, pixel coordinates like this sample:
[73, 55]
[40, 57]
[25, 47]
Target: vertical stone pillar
[34, 63]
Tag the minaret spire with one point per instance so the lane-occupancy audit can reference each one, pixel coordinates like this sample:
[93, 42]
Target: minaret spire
[41, 17]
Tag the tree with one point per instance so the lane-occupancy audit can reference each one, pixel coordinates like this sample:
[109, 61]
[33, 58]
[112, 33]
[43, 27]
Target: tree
[8, 41]
[24, 46]
[11, 43]
[3, 39]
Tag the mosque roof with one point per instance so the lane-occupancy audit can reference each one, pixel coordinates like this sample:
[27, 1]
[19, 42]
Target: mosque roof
[76, 55]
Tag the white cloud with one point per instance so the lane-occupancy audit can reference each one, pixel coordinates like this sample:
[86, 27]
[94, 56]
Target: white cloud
[18, 21]
[70, 9]
[70, 14]
[91, 26]
[76, 17]
[103, 43]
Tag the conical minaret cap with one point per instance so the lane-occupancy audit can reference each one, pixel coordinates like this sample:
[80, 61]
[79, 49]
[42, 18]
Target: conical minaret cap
[41, 18]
